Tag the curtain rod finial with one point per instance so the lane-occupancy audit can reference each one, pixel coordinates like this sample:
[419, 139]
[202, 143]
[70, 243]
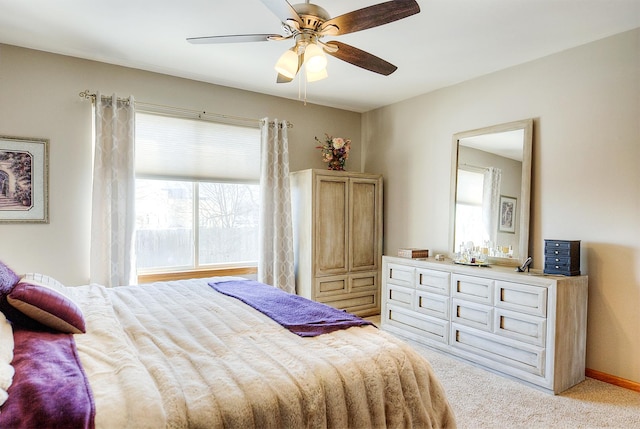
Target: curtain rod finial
[87, 94]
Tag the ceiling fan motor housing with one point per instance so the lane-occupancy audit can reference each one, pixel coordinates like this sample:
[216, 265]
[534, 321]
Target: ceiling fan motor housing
[312, 15]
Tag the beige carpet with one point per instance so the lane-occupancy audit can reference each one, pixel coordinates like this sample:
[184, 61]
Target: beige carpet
[481, 399]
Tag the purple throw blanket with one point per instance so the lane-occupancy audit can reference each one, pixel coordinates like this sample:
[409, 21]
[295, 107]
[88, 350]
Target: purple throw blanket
[50, 388]
[300, 315]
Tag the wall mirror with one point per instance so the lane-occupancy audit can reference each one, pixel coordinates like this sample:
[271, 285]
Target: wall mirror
[490, 194]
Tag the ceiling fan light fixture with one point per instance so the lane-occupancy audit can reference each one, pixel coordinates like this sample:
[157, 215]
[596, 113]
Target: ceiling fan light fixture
[316, 76]
[287, 64]
[314, 58]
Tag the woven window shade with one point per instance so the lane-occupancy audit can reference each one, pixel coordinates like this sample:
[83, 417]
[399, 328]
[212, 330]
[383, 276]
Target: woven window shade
[190, 149]
[469, 188]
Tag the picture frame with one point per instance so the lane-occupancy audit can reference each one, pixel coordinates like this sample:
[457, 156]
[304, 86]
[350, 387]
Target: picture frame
[24, 180]
[507, 220]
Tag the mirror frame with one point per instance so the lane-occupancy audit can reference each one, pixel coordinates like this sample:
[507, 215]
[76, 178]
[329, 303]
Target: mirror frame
[525, 186]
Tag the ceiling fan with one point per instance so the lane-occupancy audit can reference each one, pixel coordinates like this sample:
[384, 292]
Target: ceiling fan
[307, 24]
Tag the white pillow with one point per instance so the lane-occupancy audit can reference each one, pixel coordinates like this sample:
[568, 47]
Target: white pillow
[6, 356]
[44, 280]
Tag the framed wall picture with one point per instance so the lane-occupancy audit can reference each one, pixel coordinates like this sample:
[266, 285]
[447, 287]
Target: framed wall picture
[507, 222]
[24, 180]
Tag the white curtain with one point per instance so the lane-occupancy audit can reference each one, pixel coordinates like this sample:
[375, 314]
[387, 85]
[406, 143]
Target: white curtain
[275, 265]
[491, 202]
[113, 201]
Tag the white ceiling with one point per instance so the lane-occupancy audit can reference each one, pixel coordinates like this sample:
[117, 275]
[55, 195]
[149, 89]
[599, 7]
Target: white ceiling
[507, 143]
[449, 41]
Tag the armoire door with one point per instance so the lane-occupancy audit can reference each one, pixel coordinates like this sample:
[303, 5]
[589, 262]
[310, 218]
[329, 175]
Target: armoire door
[364, 224]
[331, 222]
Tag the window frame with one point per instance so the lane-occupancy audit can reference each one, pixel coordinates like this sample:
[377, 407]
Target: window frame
[147, 275]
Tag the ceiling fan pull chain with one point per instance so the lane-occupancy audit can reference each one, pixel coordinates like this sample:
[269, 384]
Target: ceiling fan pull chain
[305, 89]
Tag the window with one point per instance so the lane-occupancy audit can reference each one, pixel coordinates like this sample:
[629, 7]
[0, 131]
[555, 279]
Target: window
[197, 194]
[469, 223]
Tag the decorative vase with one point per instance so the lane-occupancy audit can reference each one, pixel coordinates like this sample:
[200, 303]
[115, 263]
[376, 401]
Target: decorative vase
[336, 164]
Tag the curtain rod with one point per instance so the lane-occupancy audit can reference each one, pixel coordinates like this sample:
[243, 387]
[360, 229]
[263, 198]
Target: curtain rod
[477, 167]
[161, 108]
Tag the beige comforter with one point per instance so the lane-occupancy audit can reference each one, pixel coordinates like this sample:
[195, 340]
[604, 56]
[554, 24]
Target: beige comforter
[182, 355]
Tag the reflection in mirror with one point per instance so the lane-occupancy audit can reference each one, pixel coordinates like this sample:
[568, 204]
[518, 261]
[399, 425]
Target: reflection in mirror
[490, 191]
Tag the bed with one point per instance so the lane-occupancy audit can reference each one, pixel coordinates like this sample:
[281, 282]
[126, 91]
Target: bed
[181, 354]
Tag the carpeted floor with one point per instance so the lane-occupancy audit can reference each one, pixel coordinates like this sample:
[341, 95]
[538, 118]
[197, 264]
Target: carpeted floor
[481, 399]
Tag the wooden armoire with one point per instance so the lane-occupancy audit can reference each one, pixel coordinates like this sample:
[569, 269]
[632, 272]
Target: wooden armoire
[337, 231]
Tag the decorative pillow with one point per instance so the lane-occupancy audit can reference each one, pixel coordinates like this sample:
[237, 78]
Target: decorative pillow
[8, 279]
[44, 280]
[6, 356]
[48, 307]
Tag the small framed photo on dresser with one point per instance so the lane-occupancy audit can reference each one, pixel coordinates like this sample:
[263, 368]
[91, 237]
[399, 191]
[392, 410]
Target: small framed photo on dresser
[24, 180]
[507, 221]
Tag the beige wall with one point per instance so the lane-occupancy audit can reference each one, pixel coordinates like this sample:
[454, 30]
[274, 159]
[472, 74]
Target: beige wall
[39, 98]
[586, 172]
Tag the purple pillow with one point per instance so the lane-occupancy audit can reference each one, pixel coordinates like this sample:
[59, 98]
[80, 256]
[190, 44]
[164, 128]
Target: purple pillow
[47, 307]
[8, 279]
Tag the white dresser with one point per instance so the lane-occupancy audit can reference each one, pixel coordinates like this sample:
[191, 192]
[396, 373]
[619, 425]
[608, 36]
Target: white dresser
[531, 327]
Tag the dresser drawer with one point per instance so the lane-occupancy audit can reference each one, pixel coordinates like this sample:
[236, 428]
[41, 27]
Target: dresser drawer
[472, 314]
[432, 304]
[424, 326]
[521, 297]
[477, 289]
[400, 295]
[400, 275]
[498, 351]
[433, 281]
[522, 327]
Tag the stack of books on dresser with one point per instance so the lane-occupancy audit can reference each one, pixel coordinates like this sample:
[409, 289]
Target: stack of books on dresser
[413, 253]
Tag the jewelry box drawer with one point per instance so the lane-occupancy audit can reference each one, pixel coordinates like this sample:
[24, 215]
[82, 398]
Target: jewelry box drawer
[558, 260]
[569, 248]
[560, 244]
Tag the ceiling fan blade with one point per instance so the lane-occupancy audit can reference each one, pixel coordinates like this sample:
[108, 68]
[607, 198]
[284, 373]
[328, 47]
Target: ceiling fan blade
[369, 17]
[283, 10]
[237, 38]
[360, 58]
